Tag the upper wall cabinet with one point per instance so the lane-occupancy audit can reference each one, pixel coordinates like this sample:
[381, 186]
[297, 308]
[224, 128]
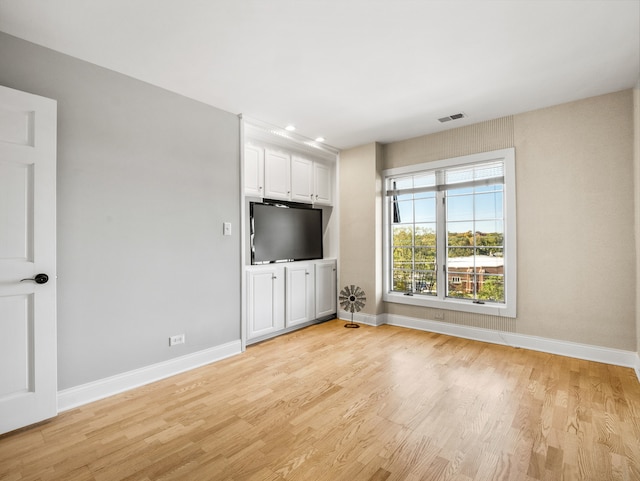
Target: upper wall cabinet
[323, 187]
[301, 179]
[253, 170]
[276, 174]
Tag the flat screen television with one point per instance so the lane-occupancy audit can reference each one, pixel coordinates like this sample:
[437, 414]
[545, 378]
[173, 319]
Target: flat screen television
[285, 232]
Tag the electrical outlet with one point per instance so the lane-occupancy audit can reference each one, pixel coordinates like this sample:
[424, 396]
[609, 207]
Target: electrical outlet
[177, 339]
[439, 316]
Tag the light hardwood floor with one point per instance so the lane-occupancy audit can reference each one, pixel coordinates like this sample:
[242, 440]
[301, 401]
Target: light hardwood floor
[375, 403]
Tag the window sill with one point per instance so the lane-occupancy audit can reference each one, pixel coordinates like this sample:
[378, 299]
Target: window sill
[501, 310]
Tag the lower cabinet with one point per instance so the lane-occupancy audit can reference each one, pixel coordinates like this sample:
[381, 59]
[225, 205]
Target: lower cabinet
[265, 301]
[325, 288]
[283, 296]
[299, 294]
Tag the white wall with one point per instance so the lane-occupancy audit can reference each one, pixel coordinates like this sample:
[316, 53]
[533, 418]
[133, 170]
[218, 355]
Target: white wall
[146, 179]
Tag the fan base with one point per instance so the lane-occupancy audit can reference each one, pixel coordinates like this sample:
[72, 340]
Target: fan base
[352, 325]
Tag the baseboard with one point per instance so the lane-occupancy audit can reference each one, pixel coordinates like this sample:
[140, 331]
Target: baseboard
[362, 318]
[587, 352]
[93, 391]
[637, 368]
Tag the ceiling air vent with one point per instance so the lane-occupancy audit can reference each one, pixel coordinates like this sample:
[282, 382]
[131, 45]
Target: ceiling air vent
[452, 117]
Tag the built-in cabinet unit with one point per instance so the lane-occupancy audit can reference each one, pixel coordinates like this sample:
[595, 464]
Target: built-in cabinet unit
[276, 174]
[283, 166]
[288, 295]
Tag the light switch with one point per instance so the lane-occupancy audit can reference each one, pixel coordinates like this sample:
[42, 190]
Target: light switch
[227, 228]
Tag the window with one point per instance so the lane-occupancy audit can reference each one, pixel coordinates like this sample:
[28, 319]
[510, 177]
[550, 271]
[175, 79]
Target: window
[450, 239]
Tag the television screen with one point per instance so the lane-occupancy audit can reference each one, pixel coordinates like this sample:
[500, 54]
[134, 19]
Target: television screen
[282, 232]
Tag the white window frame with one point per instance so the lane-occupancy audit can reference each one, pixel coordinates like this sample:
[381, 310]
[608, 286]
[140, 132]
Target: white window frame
[508, 309]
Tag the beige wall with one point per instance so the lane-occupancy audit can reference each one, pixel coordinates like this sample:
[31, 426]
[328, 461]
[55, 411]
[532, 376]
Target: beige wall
[360, 223]
[575, 204]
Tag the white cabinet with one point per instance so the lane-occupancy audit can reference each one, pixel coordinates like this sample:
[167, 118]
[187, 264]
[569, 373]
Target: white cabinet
[299, 294]
[322, 189]
[277, 175]
[253, 170]
[302, 179]
[283, 296]
[265, 300]
[325, 288]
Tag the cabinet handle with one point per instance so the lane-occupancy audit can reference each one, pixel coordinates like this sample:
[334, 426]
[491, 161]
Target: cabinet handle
[274, 277]
[306, 273]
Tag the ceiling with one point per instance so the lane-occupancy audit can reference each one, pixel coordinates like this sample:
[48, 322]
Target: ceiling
[351, 71]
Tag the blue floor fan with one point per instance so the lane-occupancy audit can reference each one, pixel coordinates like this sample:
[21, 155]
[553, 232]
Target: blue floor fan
[352, 299]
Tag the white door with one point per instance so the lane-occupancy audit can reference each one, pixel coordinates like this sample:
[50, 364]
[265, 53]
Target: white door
[28, 362]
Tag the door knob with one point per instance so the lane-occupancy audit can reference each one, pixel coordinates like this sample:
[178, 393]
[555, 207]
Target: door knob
[39, 279]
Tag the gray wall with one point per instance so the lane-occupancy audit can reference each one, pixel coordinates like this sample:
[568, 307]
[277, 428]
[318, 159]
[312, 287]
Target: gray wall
[146, 179]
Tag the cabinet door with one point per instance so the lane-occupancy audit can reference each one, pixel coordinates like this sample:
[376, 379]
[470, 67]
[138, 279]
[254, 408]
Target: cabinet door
[300, 294]
[265, 306]
[325, 299]
[301, 179]
[253, 171]
[322, 184]
[277, 175]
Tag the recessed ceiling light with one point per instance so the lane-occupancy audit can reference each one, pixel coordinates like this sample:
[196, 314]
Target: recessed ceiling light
[319, 139]
[290, 128]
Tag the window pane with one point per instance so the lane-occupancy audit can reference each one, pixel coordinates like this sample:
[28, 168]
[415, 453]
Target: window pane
[489, 188]
[402, 235]
[489, 262]
[425, 234]
[425, 259]
[488, 206]
[425, 210]
[401, 280]
[403, 257]
[403, 212]
[489, 227]
[425, 282]
[402, 183]
[489, 239]
[491, 288]
[462, 191]
[460, 285]
[460, 234]
[424, 180]
[460, 207]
